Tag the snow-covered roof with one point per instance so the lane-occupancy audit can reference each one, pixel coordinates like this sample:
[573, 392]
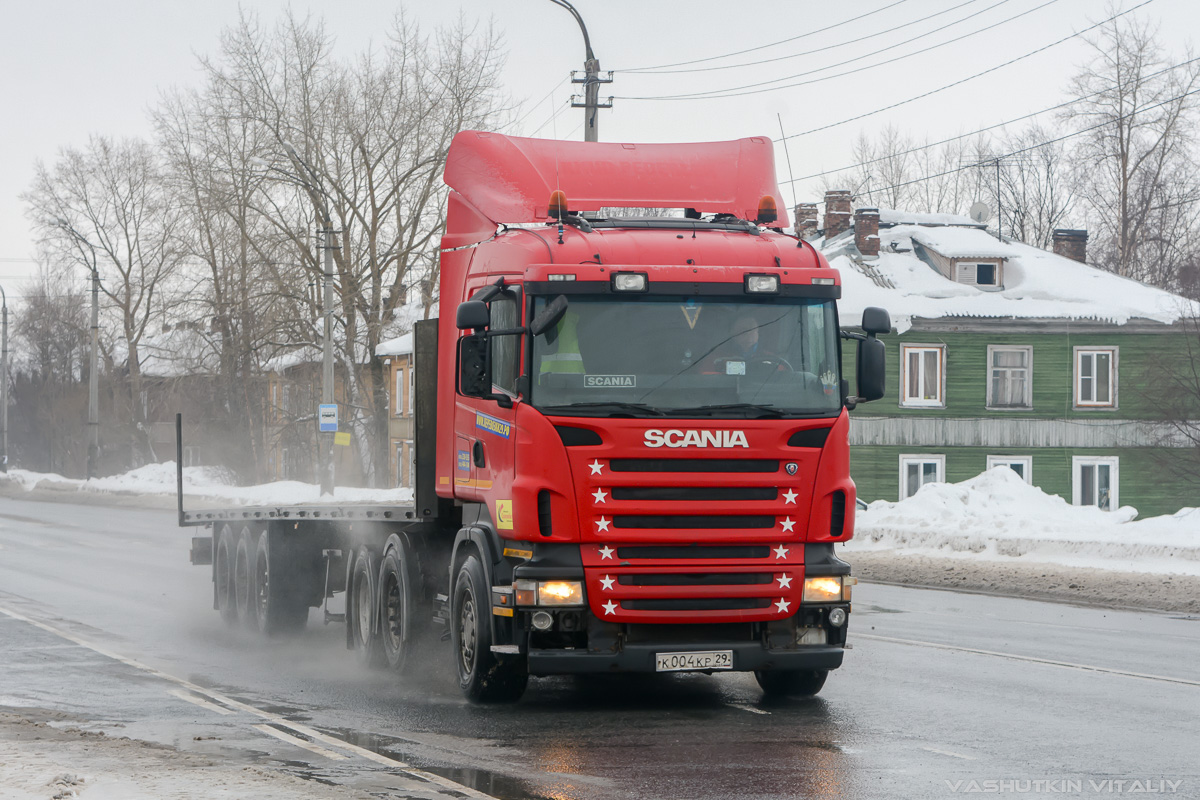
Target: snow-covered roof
[891, 216]
[1037, 285]
[400, 346]
[957, 242]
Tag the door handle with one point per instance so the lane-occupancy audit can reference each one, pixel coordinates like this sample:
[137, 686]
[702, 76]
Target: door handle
[477, 454]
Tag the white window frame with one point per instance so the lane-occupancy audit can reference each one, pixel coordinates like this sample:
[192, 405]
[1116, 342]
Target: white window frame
[1114, 465]
[1080, 352]
[907, 459]
[1026, 463]
[398, 393]
[991, 402]
[920, 402]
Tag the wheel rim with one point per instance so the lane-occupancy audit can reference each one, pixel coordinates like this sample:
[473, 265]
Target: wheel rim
[362, 598]
[262, 584]
[466, 634]
[394, 607]
[223, 575]
[241, 580]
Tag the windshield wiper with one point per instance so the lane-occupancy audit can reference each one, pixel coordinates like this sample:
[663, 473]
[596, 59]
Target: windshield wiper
[612, 407]
[764, 410]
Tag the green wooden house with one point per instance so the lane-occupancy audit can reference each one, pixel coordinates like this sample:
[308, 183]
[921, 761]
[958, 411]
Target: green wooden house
[1005, 354]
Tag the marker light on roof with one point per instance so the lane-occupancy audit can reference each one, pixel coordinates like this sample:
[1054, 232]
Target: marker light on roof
[762, 284]
[823, 281]
[629, 282]
[561, 277]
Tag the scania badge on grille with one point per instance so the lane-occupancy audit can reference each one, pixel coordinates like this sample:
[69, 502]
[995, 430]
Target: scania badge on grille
[792, 467]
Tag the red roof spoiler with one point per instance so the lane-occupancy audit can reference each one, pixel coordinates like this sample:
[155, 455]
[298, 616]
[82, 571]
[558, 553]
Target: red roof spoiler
[509, 179]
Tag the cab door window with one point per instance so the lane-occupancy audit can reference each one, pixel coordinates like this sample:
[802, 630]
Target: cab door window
[506, 350]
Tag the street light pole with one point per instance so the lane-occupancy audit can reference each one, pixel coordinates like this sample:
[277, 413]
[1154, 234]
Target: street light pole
[3, 381]
[591, 81]
[93, 452]
[325, 439]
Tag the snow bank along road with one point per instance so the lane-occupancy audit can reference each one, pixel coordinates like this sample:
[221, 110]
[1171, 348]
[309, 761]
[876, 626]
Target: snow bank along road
[107, 629]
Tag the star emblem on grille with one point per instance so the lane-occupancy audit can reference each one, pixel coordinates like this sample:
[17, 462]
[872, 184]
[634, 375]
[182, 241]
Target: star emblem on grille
[610, 607]
[599, 495]
[790, 496]
[602, 524]
[606, 552]
[607, 582]
[596, 467]
[781, 552]
[782, 605]
[785, 581]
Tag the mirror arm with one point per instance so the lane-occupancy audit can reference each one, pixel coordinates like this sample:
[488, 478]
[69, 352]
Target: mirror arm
[507, 332]
[858, 337]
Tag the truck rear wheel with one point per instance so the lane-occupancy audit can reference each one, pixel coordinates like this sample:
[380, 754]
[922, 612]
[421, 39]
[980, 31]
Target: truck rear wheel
[223, 575]
[794, 682]
[395, 609]
[481, 676]
[277, 608]
[242, 589]
[361, 611]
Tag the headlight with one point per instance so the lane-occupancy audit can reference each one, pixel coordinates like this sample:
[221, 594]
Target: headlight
[548, 593]
[826, 589]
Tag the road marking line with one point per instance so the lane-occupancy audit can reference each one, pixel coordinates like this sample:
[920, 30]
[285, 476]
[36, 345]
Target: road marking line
[1032, 659]
[370, 755]
[191, 698]
[750, 708]
[948, 753]
[296, 740]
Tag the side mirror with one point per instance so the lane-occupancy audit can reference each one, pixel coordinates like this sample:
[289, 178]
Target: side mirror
[871, 366]
[472, 315]
[548, 317]
[875, 320]
[474, 367]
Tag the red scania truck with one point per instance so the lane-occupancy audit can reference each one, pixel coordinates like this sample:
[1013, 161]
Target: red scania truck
[631, 437]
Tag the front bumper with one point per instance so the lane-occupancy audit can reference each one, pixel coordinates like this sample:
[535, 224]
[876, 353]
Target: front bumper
[640, 658]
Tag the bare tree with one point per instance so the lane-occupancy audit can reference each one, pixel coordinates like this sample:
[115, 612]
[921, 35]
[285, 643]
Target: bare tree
[1139, 123]
[1037, 191]
[113, 193]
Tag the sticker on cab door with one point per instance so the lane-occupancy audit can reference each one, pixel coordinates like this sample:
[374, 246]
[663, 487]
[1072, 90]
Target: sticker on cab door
[464, 460]
[504, 515]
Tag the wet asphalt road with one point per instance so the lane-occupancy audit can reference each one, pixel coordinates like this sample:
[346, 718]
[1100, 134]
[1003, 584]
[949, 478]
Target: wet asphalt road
[941, 689]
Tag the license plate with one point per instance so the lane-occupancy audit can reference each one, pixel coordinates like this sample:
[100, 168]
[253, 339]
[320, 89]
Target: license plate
[702, 659]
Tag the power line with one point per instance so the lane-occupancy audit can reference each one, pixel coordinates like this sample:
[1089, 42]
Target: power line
[549, 94]
[988, 161]
[562, 107]
[750, 88]
[966, 79]
[765, 46]
[835, 46]
[975, 132]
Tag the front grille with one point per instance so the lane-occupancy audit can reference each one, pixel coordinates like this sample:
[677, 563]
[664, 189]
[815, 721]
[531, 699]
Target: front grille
[692, 551]
[698, 579]
[693, 493]
[697, 604]
[677, 522]
[694, 465]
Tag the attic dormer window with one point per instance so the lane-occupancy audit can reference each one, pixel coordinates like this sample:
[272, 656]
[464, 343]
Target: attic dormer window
[976, 274]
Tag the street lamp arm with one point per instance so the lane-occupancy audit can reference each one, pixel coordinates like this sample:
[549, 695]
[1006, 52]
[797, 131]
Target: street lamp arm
[587, 42]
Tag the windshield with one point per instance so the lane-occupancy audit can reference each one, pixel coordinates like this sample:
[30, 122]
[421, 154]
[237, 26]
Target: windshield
[648, 356]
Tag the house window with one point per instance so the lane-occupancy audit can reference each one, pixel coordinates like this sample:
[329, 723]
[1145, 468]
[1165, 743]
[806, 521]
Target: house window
[1009, 377]
[918, 470]
[923, 381]
[405, 464]
[1096, 377]
[1022, 465]
[398, 396]
[1095, 482]
[977, 274]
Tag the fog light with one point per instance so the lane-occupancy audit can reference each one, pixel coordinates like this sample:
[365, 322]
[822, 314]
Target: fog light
[826, 589]
[837, 617]
[629, 281]
[811, 636]
[542, 620]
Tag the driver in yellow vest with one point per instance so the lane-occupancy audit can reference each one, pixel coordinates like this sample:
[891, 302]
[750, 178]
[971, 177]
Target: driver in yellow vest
[565, 360]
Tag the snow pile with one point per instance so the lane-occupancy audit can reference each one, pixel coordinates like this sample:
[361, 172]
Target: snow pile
[210, 483]
[997, 516]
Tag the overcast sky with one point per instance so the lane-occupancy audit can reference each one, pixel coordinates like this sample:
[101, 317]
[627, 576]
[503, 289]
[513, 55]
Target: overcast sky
[75, 67]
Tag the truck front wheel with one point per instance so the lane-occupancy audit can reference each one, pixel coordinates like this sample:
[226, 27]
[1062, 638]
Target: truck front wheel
[794, 682]
[482, 677]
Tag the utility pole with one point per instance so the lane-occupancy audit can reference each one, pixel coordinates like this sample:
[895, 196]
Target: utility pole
[591, 81]
[308, 178]
[93, 452]
[3, 381]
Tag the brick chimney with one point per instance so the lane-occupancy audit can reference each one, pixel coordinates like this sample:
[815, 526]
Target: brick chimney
[806, 220]
[837, 212]
[866, 232]
[1071, 244]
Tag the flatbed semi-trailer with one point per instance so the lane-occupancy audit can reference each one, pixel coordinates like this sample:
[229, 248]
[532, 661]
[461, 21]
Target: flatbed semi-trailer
[630, 435]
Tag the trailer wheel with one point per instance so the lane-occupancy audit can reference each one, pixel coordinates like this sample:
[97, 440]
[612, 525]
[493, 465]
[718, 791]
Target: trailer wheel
[794, 682]
[277, 609]
[481, 676]
[395, 609]
[223, 575]
[242, 589]
[360, 611]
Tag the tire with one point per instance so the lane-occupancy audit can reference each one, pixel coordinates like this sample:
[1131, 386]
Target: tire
[481, 676]
[791, 682]
[242, 580]
[276, 607]
[223, 575]
[361, 611]
[395, 610]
